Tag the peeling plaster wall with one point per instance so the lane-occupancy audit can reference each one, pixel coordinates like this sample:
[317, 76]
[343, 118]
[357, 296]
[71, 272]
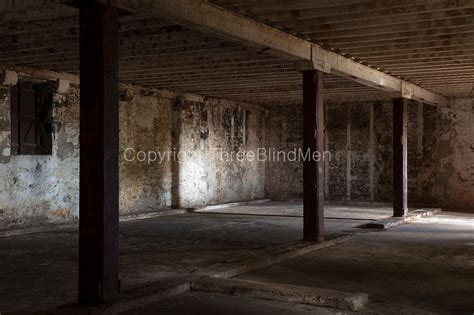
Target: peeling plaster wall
[284, 129]
[36, 189]
[189, 135]
[359, 138]
[446, 164]
[145, 124]
[40, 189]
[210, 134]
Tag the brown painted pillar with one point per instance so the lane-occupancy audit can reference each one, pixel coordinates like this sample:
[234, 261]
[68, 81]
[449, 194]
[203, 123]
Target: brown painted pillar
[313, 171]
[400, 157]
[99, 173]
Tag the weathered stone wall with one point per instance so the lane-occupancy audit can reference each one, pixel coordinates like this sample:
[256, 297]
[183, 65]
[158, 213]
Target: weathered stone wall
[191, 134]
[36, 189]
[283, 179]
[445, 172]
[209, 133]
[41, 187]
[359, 138]
[145, 124]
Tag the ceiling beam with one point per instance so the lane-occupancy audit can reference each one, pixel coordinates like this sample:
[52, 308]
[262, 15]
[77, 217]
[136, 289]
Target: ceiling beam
[206, 17]
[358, 11]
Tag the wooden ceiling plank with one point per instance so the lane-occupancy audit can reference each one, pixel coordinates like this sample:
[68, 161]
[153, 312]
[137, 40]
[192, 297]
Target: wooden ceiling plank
[397, 37]
[226, 24]
[398, 30]
[389, 22]
[359, 11]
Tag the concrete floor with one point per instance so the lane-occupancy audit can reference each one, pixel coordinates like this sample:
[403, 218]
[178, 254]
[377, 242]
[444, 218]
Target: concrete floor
[40, 270]
[201, 303]
[355, 211]
[426, 265]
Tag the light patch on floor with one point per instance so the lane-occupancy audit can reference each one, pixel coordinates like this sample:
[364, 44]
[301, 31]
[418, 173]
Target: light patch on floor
[461, 221]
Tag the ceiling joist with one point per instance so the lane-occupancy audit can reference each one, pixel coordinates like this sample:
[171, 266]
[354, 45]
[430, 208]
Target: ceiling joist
[209, 18]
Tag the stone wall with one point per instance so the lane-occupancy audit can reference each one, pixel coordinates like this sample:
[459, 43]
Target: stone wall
[359, 138]
[283, 180]
[208, 133]
[38, 189]
[195, 139]
[445, 170]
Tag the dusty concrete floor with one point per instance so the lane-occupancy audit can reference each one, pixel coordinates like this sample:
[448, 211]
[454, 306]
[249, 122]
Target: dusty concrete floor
[423, 260]
[428, 265]
[359, 211]
[198, 303]
[40, 270]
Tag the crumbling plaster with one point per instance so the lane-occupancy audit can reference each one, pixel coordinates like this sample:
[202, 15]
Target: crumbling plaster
[39, 189]
[359, 137]
[42, 187]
